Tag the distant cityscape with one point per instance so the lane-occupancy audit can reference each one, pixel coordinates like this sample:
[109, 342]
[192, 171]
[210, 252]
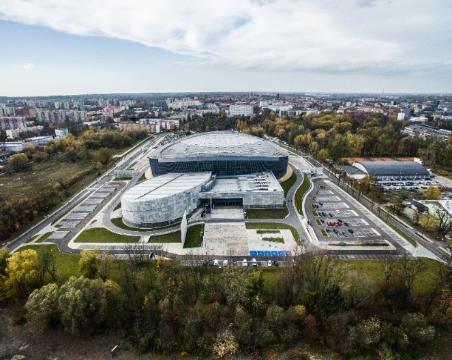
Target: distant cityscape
[34, 120]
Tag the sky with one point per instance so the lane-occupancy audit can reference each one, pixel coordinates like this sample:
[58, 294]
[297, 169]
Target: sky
[63, 47]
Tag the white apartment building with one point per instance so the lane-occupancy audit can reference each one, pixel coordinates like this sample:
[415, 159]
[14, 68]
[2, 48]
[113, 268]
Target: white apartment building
[241, 110]
[177, 104]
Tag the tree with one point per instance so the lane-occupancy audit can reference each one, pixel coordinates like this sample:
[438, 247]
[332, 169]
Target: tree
[444, 222]
[103, 156]
[42, 307]
[23, 273]
[88, 263]
[324, 154]
[417, 329]
[225, 344]
[82, 304]
[105, 263]
[17, 162]
[432, 193]
[4, 254]
[40, 156]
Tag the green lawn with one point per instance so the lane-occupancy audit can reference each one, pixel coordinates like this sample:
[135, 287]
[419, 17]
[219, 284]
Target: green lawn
[193, 238]
[101, 235]
[269, 225]
[267, 213]
[122, 178]
[119, 223]
[66, 264]
[372, 270]
[173, 237]
[286, 185]
[299, 195]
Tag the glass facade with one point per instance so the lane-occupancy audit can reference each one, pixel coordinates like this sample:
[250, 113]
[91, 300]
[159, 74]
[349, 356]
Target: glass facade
[222, 167]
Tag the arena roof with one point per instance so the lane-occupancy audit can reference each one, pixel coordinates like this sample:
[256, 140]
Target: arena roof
[394, 168]
[221, 144]
[165, 186]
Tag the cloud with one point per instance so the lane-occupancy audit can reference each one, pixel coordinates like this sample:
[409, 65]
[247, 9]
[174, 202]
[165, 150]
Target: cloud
[373, 36]
[28, 66]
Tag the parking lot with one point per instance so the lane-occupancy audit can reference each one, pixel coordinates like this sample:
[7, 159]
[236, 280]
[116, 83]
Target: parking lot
[338, 221]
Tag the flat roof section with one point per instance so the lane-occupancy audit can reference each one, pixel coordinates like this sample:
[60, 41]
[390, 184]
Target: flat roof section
[259, 182]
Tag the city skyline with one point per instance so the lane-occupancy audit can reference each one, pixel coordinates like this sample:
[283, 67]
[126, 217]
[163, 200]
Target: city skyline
[363, 46]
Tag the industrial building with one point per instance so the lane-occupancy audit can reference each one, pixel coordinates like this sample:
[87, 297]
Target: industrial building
[221, 152]
[205, 171]
[393, 174]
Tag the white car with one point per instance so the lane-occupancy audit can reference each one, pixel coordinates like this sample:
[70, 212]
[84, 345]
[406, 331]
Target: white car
[269, 263]
[216, 262]
[254, 262]
[244, 262]
[225, 262]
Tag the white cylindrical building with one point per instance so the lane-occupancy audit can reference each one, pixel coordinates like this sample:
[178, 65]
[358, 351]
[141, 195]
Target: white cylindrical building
[163, 199]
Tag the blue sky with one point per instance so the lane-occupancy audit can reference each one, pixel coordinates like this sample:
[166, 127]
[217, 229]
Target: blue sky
[95, 46]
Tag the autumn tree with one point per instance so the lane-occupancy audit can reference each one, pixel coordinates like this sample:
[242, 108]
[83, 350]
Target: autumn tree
[88, 263]
[23, 273]
[42, 307]
[17, 162]
[432, 193]
[82, 304]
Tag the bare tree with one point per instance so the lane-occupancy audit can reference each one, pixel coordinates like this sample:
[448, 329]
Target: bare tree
[444, 222]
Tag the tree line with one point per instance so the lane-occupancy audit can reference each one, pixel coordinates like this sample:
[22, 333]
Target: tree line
[163, 307]
[335, 136]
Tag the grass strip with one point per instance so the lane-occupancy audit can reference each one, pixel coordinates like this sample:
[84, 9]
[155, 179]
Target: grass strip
[286, 185]
[402, 234]
[299, 195]
[101, 235]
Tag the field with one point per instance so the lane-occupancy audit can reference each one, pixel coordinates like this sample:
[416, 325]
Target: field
[101, 235]
[41, 175]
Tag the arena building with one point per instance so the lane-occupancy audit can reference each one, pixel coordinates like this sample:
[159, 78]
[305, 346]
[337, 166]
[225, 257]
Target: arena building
[205, 171]
[223, 153]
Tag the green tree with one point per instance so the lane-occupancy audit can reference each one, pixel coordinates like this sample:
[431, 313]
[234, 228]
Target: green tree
[42, 307]
[82, 304]
[416, 327]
